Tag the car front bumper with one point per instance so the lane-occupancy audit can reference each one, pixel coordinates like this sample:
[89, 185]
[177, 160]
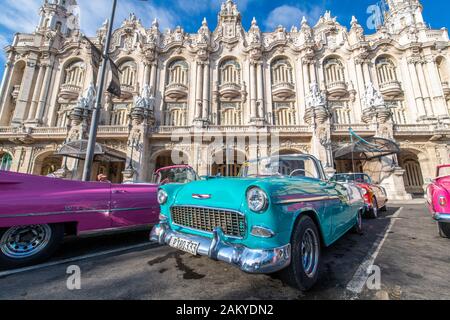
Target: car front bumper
[442, 217]
[248, 260]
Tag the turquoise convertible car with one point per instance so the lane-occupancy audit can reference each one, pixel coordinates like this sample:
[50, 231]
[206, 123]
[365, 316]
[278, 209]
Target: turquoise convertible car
[276, 216]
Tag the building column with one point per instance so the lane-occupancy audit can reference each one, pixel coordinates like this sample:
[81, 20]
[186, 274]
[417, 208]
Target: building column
[361, 88]
[306, 76]
[366, 72]
[5, 80]
[154, 69]
[6, 83]
[260, 88]
[253, 111]
[422, 113]
[312, 72]
[25, 92]
[424, 89]
[436, 85]
[44, 94]
[147, 67]
[37, 92]
[199, 92]
[206, 85]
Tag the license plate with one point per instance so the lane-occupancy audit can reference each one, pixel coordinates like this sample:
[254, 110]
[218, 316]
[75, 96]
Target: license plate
[184, 245]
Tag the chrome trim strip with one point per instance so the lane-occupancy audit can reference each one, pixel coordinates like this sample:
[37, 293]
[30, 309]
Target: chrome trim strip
[442, 217]
[269, 231]
[311, 199]
[246, 259]
[40, 214]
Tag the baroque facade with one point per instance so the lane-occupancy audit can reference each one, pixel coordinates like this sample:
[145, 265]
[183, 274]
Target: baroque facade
[307, 85]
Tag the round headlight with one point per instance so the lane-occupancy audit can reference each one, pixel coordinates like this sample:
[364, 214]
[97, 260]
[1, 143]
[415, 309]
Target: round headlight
[162, 196]
[256, 199]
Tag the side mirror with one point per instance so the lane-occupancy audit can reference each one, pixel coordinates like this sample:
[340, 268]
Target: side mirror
[428, 181]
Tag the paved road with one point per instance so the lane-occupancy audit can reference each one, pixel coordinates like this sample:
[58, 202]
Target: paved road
[413, 260]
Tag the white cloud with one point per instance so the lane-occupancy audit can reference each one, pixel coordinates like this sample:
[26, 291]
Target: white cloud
[288, 16]
[23, 15]
[194, 7]
[20, 15]
[93, 13]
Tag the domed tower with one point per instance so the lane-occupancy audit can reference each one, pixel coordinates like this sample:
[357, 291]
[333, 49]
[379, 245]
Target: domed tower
[59, 15]
[403, 14]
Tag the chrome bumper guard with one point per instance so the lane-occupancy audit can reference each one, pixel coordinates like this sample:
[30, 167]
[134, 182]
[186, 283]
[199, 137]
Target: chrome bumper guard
[248, 260]
[442, 217]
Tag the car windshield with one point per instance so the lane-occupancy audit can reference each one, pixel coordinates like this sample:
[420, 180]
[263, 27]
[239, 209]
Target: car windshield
[352, 177]
[284, 165]
[444, 172]
[176, 175]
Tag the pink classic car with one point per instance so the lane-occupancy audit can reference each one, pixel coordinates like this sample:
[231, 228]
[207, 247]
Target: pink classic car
[438, 196]
[37, 212]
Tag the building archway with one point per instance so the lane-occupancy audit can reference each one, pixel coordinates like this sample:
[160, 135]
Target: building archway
[414, 181]
[5, 161]
[228, 164]
[47, 163]
[168, 158]
[347, 166]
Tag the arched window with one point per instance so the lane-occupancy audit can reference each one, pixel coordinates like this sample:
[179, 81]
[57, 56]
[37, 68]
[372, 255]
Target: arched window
[119, 115]
[386, 70]
[341, 115]
[128, 73]
[230, 72]
[74, 74]
[284, 114]
[281, 71]
[5, 161]
[178, 72]
[175, 115]
[230, 114]
[334, 71]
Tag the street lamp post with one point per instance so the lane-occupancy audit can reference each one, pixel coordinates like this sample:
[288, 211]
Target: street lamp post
[87, 172]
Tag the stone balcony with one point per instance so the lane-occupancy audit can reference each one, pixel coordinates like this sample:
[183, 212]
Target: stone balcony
[176, 91]
[446, 88]
[391, 89]
[69, 92]
[283, 90]
[230, 91]
[127, 91]
[337, 89]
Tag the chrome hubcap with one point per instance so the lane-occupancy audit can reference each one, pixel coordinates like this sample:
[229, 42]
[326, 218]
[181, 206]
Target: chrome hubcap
[310, 253]
[23, 242]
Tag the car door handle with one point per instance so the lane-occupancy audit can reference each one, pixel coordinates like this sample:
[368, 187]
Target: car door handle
[119, 191]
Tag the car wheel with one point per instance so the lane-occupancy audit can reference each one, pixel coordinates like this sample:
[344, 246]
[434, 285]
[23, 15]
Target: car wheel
[373, 213]
[444, 229]
[25, 245]
[358, 228]
[303, 271]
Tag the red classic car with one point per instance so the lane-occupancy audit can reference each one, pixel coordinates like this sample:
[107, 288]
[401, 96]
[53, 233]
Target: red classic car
[37, 212]
[438, 197]
[375, 196]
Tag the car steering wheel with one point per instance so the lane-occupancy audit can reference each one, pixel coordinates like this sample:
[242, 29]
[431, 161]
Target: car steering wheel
[301, 170]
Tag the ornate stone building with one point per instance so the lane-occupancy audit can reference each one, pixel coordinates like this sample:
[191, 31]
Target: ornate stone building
[307, 85]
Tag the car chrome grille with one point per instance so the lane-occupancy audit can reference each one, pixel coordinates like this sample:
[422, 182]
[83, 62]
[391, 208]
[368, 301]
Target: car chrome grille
[207, 219]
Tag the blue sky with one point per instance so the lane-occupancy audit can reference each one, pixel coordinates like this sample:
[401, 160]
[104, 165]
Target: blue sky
[22, 15]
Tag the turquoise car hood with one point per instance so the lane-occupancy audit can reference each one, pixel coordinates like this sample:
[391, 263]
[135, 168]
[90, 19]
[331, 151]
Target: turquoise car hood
[230, 192]
[219, 192]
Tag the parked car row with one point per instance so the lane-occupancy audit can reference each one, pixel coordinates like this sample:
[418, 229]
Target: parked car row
[37, 212]
[275, 217]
